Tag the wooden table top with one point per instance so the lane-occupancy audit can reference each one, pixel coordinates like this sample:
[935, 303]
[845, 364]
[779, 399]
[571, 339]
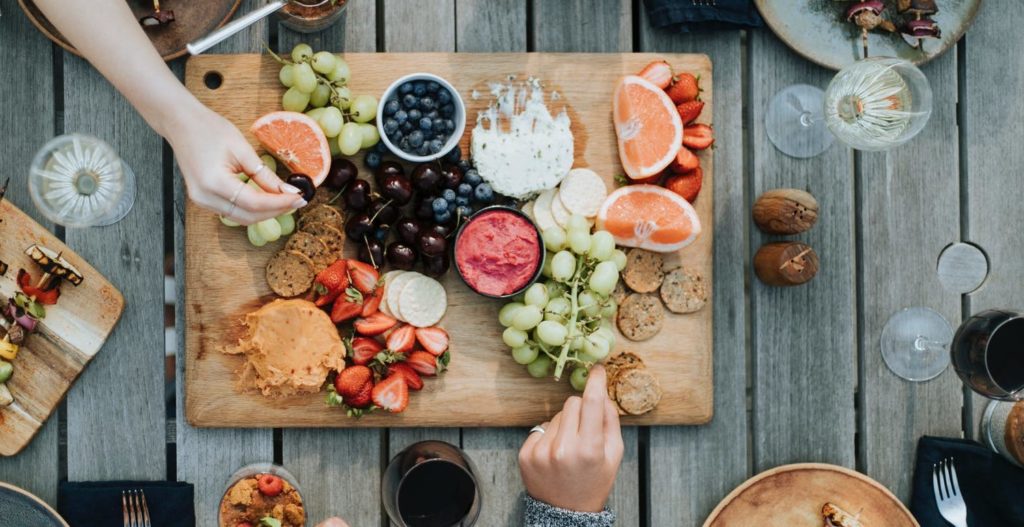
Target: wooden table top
[798, 372]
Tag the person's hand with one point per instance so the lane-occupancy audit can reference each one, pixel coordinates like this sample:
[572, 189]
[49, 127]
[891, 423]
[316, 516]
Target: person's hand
[211, 152]
[333, 522]
[572, 464]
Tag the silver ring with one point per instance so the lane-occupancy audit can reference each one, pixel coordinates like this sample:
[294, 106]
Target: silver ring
[231, 210]
[538, 428]
[238, 192]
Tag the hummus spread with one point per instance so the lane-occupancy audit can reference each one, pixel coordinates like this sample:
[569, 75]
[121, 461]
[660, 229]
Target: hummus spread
[498, 253]
[289, 346]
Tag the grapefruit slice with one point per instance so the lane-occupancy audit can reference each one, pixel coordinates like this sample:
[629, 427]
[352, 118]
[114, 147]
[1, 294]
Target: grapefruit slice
[297, 141]
[649, 217]
[647, 125]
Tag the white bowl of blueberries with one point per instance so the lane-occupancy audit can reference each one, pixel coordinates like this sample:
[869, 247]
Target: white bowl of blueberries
[421, 117]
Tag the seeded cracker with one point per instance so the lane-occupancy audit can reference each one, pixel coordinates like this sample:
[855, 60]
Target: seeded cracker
[684, 291]
[643, 272]
[331, 236]
[312, 247]
[640, 316]
[290, 273]
[324, 214]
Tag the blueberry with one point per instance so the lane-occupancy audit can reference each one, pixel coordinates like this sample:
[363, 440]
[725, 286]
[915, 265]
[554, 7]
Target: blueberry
[423, 150]
[435, 145]
[390, 125]
[483, 193]
[448, 194]
[465, 166]
[433, 86]
[395, 137]
[471, 176]
[439, 205]
[453, 155]
[433, 114]
[373, 159]
[403, 143]
[427, 103]
[401, 116]
[416, 139]
[449, 125]
[407, 127]
[443, 217]
[391, 107]
[382, 148]
[426, 124]
[465, 189]
[410, 101]
[404, 88]
[437, 125]
[381, 233]
[415, 115]
[464, 211]
[448, 110]
[462, 201]
[419, 88]
[444, 97]
[451, 206]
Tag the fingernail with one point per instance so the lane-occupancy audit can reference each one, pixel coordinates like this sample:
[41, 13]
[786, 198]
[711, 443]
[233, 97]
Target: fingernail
[299, 203]
[289, 188]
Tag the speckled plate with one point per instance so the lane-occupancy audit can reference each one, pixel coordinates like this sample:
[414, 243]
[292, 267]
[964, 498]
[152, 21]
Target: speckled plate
[818, 30]
[19, 507]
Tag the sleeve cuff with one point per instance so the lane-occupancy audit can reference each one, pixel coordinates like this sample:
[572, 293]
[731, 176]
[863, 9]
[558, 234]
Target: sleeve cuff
[540, 514]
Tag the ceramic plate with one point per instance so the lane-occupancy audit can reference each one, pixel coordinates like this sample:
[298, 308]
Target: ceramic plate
[18, 507]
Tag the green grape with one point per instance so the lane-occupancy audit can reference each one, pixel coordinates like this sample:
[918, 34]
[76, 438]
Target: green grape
[315, 113]
[341, 72]
[527, 318]
[364, 108]
[525, 354]
[545, 269]
[324, 62]
[320, 96]
[254, 237]
[537, 295]
[604, 278]
[607, 332]
[557, 309]
[541, 367]
[578, 222]
[269, 229]
[588, 304]
[370, 135]
[602, 245]
[513, 337]
[294, 100]
[350, 139]
[343, 99]
[331, 121]
[302, 52]
[555, 289]
[552, 333]
[287, 75]
[335, 148]
[619, 258]
[596, 346]
[554, 238]
[609, 308]
[578, 378]
[305, 79]
[269, 161]
[229, 222]
[576, 344]
[508, 312]
[579, 241]
[287, 222]
[563, 266]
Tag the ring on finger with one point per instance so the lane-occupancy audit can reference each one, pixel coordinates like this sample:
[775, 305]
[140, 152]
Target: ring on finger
[231, 209]
[238, 192]
[538, 428]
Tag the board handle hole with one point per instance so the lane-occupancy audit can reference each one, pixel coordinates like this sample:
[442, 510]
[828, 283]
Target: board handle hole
[213, 80]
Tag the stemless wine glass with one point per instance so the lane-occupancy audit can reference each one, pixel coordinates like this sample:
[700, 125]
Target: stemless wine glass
[988, 354]
[431, 484]
[77, 180]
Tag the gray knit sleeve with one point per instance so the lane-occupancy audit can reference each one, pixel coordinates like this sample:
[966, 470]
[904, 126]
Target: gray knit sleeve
[540, 514]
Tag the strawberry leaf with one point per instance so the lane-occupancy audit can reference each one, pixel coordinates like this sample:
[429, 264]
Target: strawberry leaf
[353, 295]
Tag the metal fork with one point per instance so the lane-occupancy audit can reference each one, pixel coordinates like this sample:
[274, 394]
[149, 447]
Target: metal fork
[134, 508]
[947, 493]
[704, 3]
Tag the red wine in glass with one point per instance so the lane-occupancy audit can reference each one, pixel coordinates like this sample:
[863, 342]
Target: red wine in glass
[988, 354]
[431, 484]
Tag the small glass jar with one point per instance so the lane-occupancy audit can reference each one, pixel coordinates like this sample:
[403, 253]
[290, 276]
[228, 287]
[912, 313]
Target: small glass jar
[310, 16]
[255, 469]
[1002, 428]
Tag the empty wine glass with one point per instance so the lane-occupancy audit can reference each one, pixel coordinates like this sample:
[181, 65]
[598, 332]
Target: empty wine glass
[915, 343]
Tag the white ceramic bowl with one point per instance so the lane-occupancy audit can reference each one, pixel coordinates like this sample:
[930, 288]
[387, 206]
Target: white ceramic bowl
[459, 117]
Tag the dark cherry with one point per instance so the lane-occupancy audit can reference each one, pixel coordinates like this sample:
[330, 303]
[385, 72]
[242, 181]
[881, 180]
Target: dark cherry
[441, 230]
[397, 189]
[425, 208]
[425, 177]
[371, 251]
[342, 173]
[451, 176]
[387, 168]
[408, 230]
[401, 256]
[357, 195]
[431, 244]
[358, 227]
[304, 184]
[436, 265]
[382, 212]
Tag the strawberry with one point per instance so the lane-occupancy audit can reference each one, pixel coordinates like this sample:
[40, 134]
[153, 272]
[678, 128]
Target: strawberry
[362, 350]
[330, 282]
[372, 304]
[374, 324]
[686, 185]
[690, 110]
[347, 306]
[658, 72]
[698, 136]
[362, 399]
[426, 364]
[243, 524]
[391, 394]
[402, 339]
[412, 379]
[350, 381]
[434, 340]
[685, 89]
[685, 161]
[363, 276]
[270, 485]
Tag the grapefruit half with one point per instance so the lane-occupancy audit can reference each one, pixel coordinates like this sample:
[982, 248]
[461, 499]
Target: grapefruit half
[649, 217]
[647, 125]
[296, 140]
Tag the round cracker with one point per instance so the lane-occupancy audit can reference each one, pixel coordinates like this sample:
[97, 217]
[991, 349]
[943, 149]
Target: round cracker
[289, 273]
[394, 291]
[583, 192]
[684, 291]
[331, 236]
[542, 210]
[387, 279]
[322, 196]
[423, 301]
[640, 316]
[324, 214]
[312, 247]
[558, 211]
[644, 272]
[637, 391]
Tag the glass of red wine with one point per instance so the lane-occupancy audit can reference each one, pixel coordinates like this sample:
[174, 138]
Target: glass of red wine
[988, 354]
[431, 484]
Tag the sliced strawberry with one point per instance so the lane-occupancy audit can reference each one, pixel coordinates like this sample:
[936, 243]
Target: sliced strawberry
[690, 110]
[412, 379]
[363, 276]
[658, 72]
[331, 282]
[346, 308]
[686, 185]
[426, 364]
[434, 340]
[391, 394]
[698, 136]
[684, 162]
[372, 303]
[351, 380]
[374, 324]
[685, 89]
[402, 339]
[362, 350]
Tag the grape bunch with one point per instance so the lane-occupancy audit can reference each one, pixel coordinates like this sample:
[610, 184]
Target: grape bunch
[566, 320]
[418, 117]
[318, 85]
[271, 229]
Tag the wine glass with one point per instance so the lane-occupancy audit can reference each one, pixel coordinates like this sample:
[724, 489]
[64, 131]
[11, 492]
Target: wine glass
[431, 484]
[77, 180]
[915, 343]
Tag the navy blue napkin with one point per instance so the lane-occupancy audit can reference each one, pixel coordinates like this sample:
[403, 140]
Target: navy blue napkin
[684, 16]
[992, 487]
[98, 504]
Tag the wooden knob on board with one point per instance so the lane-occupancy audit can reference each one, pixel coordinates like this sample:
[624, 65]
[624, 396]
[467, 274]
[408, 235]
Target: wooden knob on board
[785, 211]
[785, 263]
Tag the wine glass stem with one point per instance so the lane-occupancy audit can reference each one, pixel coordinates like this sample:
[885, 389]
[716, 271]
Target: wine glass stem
[923, 344]
[806, 119]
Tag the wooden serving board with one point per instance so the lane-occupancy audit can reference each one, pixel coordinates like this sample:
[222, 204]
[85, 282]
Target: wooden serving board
[792, 496]
[64, 342]
[484, 387]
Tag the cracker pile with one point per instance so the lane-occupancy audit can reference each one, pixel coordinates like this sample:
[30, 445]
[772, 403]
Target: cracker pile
[650, 286]
[316, 244]
[631, 386]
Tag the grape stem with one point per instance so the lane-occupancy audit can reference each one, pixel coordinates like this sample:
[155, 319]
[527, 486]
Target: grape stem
[563, 357]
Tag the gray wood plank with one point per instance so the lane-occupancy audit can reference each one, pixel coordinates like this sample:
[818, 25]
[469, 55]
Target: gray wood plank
[208, 457]
[338, 471]
[582, 25]
[419, 26]
[490, 26]
[27, 122]
[698, 466]
[895, 223]
[804, 338]
[994, 118]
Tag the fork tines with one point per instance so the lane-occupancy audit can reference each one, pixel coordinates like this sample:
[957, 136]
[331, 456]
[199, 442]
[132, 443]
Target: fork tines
[135, 509]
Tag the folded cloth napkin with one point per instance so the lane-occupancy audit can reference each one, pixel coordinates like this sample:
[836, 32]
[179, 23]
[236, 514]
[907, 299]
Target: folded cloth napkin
[992, 487]
[98, 504]
[688, 15]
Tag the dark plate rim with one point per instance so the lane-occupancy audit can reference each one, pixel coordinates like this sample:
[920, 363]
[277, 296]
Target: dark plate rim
[32, 497]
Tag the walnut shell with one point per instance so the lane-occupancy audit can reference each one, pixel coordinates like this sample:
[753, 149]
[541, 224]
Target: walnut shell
[785, 211]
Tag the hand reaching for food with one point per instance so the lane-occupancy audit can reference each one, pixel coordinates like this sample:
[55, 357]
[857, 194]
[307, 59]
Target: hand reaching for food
[333, 522]
[571, 461]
